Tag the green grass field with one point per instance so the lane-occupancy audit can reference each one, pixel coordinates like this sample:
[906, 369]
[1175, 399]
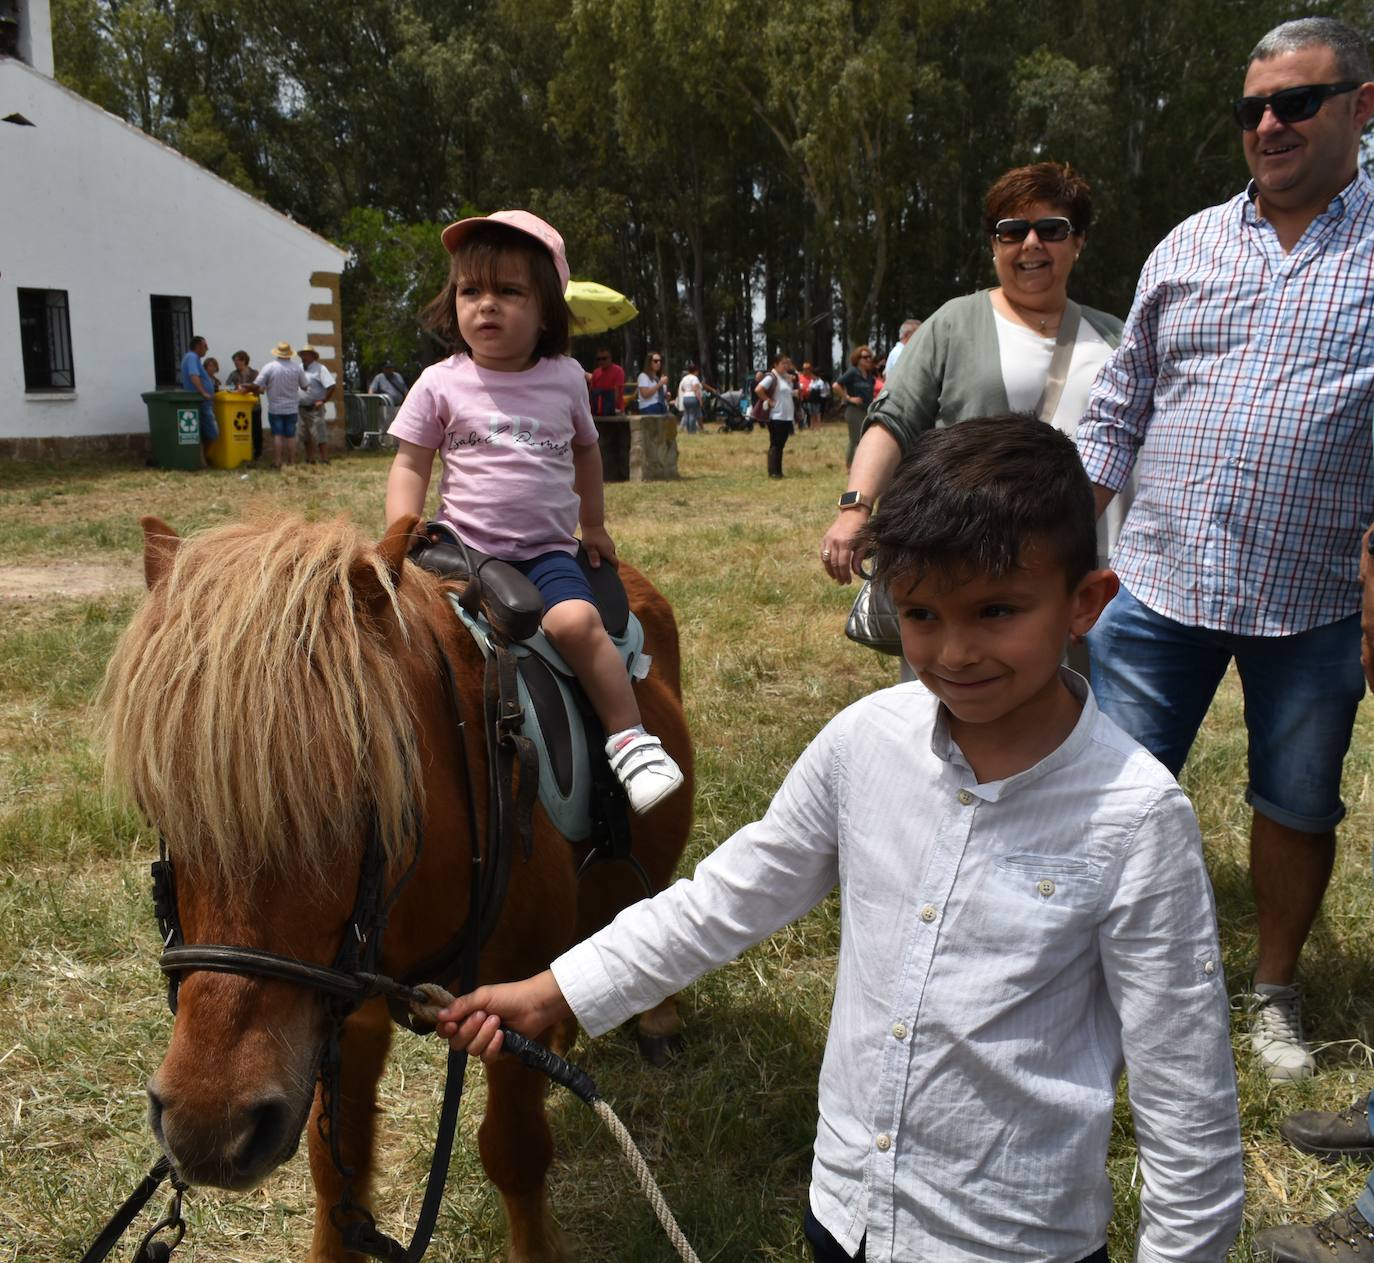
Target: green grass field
[728, 1127]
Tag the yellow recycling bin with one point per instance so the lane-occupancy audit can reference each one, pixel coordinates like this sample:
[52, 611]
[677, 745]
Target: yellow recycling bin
[234, 414]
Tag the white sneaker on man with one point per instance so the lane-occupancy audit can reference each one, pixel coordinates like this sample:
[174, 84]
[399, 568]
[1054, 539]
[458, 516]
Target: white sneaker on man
[646, 770]
[1276, 1032]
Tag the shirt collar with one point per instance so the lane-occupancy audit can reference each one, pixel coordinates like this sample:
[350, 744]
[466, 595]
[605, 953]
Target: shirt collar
[946, 749]
[1353, 198]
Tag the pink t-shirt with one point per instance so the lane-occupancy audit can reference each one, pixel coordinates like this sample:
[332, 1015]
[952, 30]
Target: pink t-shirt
[506, 440]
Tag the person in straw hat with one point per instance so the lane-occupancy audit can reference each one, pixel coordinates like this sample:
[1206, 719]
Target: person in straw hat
[281, 379]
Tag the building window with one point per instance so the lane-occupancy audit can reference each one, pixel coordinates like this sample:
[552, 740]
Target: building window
[171, 336]
[45, 334]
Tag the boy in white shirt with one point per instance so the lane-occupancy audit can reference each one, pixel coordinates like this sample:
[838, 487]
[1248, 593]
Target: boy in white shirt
[1024, 907]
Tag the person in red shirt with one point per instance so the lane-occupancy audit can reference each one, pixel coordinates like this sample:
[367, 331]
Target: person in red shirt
[606, 385]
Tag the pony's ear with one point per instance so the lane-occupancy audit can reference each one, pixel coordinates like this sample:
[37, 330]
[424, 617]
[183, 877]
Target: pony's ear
[160, 544]
[392, 549]
[397, 542]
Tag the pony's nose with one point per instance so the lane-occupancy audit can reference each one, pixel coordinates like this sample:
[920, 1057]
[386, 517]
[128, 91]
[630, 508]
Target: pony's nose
[263, 1136]
[235, 1149]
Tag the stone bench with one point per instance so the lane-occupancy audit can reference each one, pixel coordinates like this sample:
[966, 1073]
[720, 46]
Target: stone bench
[638, 448]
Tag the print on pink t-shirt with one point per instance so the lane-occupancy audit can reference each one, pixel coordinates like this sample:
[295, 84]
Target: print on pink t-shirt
[506, 442]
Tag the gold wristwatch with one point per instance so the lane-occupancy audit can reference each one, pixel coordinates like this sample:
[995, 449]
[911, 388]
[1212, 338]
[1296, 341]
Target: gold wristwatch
[856, 500]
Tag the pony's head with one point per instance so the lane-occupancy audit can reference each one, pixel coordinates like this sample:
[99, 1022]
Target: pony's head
[260, 711]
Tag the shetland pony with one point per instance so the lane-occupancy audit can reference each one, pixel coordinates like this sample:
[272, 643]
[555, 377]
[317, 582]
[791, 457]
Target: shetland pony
[276, 698]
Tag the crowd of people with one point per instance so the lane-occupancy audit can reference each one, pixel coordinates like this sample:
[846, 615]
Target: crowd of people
[1050, 924]
[781, 398]
[296, 396]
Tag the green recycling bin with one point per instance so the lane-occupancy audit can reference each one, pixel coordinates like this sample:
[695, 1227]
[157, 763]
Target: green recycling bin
[174, 428]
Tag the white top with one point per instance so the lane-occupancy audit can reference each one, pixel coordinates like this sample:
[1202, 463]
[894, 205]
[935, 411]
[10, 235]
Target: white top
[689, 385]
[281, 382]
[648, 389]
[781, 386]
[1025, 365]
[893, 355]
[1007, 949]
[318, 382]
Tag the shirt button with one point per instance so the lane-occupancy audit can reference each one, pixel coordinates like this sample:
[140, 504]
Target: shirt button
[929, 913]
[965, 797]
[1045, 886]
[884, 1143]
[899, 1031]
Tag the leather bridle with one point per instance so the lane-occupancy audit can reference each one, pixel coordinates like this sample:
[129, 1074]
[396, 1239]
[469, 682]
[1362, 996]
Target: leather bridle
[347, 983]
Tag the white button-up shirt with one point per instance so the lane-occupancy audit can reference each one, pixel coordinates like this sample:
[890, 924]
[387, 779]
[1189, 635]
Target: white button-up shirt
[1006, 950]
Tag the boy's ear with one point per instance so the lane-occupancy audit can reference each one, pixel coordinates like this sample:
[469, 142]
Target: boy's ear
[1090, 598]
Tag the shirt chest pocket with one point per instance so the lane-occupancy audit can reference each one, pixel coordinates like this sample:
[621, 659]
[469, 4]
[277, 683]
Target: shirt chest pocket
[1047, 886]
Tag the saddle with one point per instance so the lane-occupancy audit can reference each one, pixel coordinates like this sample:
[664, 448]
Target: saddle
[501, 610]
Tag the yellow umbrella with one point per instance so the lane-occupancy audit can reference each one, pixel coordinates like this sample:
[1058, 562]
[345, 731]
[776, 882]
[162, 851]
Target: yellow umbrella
[597, 308]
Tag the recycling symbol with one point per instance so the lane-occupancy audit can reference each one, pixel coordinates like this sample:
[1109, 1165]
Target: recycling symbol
[241, 421]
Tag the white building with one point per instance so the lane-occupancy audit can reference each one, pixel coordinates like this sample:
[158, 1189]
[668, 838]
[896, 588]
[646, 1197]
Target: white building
[114, 250]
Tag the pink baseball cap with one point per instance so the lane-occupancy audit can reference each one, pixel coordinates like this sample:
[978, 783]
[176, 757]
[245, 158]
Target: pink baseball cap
[521, 221]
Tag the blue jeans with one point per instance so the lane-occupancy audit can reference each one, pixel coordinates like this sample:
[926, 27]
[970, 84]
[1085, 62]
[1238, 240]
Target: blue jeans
[691, 414]
[1156, 678]
[209, 427]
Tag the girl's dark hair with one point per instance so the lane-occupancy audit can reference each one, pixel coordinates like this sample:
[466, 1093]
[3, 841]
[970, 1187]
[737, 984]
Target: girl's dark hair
[1053, 182]
[478, 259]
[969, 499]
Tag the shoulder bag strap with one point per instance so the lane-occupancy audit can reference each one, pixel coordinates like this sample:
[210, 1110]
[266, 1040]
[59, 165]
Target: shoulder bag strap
[1059, 362]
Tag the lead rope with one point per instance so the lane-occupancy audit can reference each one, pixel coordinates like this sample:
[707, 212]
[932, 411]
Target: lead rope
[426, 1001]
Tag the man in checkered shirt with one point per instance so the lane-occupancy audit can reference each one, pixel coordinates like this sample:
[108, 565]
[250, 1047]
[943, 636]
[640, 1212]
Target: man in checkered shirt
[1242, 395]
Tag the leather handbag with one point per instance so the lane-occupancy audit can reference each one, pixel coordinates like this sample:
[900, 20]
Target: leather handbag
[873, 621]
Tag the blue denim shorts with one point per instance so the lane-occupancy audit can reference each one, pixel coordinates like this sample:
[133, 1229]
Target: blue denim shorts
[283, 424]
[1156, 679]
[558, 577]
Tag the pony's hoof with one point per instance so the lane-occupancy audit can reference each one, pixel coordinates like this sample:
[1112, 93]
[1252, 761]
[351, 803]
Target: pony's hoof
[659, 1050]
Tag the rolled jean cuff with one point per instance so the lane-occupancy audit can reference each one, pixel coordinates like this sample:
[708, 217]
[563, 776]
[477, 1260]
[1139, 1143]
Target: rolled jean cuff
[1291, 820]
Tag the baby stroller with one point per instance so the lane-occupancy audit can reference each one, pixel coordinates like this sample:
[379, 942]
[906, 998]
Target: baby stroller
[724, 406]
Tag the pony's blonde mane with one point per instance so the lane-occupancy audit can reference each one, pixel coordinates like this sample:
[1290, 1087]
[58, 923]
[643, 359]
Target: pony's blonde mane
[253, 706]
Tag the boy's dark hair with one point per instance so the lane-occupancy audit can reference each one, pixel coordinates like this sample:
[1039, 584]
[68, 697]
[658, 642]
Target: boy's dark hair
[478, 258]
[970, 498]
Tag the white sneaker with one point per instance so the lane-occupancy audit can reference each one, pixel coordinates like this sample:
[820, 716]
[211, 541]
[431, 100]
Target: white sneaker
[1276, 1033]
[646, 770]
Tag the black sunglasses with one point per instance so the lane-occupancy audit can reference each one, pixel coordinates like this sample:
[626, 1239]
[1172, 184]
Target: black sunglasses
[1010, 231]
[1292, 105]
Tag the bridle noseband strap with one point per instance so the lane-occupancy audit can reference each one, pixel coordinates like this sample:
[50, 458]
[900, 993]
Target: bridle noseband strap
[222, 959]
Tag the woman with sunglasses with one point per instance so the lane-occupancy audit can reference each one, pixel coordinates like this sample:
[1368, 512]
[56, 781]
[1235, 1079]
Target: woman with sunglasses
[992, 352]
[652, 395]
